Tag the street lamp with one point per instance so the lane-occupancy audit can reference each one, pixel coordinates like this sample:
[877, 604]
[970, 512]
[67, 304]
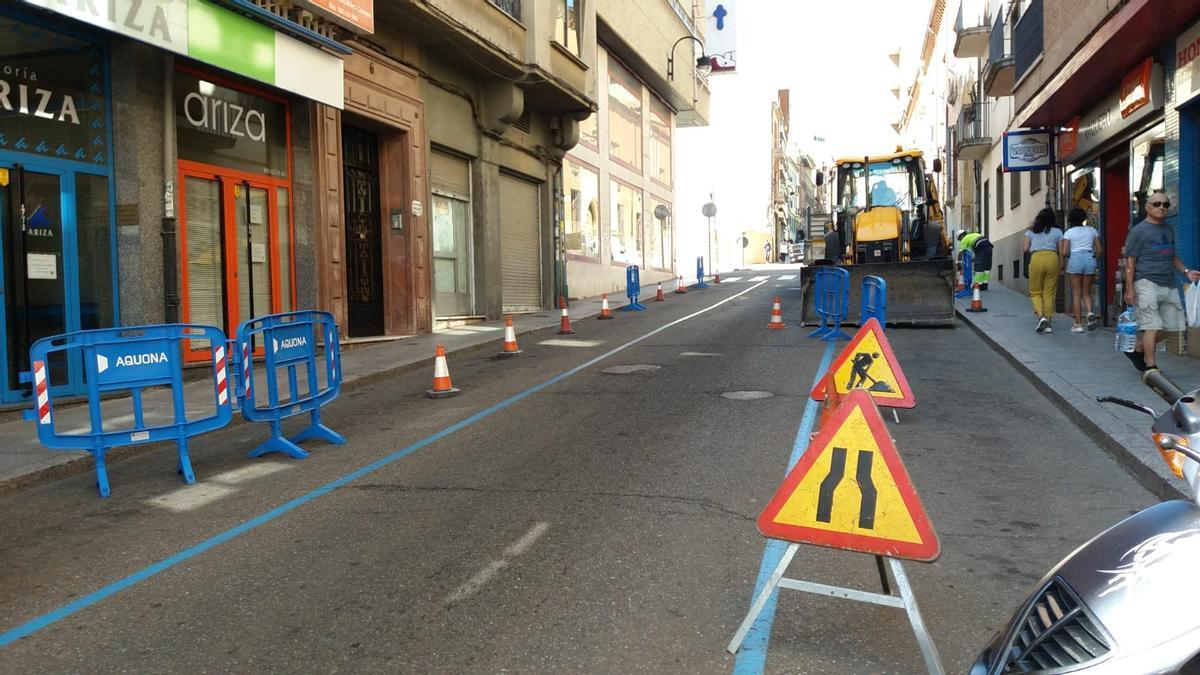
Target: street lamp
[703, 63]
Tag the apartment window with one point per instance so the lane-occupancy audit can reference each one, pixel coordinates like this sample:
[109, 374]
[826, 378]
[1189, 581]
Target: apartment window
[1014, 189]
[581, 194]
[567, 23]
[660, 141]
[624, 116]
[625, 226]
[1035, 182]
[589, 132]
[999, 192]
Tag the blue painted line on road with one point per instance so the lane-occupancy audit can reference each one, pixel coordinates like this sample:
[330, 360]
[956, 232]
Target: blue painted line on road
[90, 599]
[752, 657]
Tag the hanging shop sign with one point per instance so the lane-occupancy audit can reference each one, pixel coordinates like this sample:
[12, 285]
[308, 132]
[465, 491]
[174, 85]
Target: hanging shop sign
[720, 38]
[52, 95]
[357, 15]
[1028, 150]
[230, 128]
[1107, 120]
[208, 33]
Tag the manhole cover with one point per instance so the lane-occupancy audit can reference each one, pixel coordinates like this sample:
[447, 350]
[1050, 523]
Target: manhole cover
[632, 368]
[746, 395]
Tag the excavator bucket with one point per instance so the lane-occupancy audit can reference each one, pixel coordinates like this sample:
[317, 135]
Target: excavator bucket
[919, 293]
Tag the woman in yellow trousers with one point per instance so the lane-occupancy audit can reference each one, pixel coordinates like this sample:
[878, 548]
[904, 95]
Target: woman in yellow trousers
[1041, 240]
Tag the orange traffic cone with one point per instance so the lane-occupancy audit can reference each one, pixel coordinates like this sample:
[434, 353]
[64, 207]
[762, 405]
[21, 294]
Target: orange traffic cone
[564, 325]
[976, 301]
[962, 282]
[605, 312]
[441, 377]
[717, 278]
[659, 297]
[776, 316]
[510, 339]
[681, 288]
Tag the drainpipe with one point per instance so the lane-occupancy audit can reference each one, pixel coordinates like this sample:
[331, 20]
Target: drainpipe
[170, 246]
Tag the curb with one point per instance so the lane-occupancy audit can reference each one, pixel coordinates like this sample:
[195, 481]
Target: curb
[1144, 475]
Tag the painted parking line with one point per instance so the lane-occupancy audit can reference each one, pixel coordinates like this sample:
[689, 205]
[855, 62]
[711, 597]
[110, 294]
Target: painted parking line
[731, 280]
[34, 625]
[752, 657]
[787, 277]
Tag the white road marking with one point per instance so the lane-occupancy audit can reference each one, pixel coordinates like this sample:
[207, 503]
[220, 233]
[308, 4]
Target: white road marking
[571, 343]
[517, 548]
[191, 497]
[698, 354]
[759, 279]
[731, 279]
[787, 277]
[249, 472]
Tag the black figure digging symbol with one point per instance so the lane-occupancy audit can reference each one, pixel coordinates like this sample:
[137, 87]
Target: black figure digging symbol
[866, 487]
[858, 375]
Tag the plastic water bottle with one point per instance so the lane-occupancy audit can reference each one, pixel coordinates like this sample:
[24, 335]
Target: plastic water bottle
[1127, 331]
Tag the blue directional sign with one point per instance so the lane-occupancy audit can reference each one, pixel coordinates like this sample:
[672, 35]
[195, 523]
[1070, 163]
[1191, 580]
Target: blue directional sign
[290, 343]
[122, 363]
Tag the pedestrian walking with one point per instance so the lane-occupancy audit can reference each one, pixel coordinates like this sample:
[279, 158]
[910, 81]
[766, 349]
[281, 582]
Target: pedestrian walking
[767, 252]
[1151, 283]
[1080, 246]
[1041, 241]
[981, 257]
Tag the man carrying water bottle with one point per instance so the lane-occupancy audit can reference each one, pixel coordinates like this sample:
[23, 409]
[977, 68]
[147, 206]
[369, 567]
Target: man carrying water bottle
[1151, 285]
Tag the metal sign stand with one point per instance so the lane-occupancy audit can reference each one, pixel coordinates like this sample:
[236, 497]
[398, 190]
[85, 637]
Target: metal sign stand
[906, 601]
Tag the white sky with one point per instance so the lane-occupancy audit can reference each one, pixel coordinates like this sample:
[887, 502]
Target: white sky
[833, 55]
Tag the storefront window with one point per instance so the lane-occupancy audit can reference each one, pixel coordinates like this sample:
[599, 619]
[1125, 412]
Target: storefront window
[658, 235]
[660, 142]
[1145, 170]
[589, 132]
[625, 237]
[283, 203]
[1085, 193]
[624, 116]
[581, 192]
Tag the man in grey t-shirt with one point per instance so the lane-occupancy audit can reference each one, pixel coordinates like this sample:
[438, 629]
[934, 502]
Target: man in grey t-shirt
[1151, 284]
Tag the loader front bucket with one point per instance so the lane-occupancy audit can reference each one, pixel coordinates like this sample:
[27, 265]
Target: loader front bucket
[919, 293]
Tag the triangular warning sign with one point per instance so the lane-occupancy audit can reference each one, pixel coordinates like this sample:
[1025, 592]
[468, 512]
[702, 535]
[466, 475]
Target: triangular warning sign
[869, 362]
[850, 491]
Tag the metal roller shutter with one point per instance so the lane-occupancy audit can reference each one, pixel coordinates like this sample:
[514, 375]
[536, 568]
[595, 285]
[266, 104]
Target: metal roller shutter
[520, 245]
[450, 174]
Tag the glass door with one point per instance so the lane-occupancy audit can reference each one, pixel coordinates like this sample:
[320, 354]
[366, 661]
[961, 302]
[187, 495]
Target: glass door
[451, 257]
[35, 291]
[254, 270]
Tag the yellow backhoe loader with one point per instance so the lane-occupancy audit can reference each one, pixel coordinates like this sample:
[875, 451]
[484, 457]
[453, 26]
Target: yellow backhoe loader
[890, 225]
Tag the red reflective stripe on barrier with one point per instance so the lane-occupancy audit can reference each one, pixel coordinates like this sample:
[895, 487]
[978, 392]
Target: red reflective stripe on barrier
[222, 390]
[43, 396]
[246, 369]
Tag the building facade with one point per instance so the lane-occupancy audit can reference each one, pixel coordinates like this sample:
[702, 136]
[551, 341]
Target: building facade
[618, 182]
[155, 166]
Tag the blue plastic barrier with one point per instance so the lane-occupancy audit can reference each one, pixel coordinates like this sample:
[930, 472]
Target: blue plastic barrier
[700, 272]
[129, 360]
[874, 300]
[968, 262]
[831, 302]
[633, 289]
[289, 341]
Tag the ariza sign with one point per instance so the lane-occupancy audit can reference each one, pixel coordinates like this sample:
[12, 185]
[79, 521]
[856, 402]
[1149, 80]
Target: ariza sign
[228, 127]
[163, 23]
[221, 117]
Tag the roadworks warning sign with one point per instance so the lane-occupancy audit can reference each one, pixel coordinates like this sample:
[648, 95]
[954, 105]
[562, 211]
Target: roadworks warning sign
[868, 362]
[850, 491]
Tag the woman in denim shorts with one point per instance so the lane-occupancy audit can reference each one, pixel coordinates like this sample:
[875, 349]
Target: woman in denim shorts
[1080, 246]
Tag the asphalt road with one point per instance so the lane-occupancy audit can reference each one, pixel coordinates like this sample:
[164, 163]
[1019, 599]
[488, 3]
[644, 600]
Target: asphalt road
[602, 523]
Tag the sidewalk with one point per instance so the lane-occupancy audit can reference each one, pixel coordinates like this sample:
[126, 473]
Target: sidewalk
[24, 461]
[1073, 369]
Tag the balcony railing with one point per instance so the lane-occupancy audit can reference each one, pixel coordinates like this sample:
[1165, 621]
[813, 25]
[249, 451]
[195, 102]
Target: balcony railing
[509, 7]
[998, 73]
[1027, 38]
[972, 135]
[971, 29]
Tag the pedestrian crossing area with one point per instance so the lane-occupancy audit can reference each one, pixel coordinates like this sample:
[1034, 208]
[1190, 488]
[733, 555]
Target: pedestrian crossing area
[761, 277]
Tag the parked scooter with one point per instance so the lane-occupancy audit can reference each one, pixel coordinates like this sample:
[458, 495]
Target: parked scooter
[1128, 601]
